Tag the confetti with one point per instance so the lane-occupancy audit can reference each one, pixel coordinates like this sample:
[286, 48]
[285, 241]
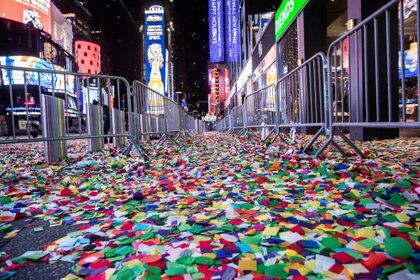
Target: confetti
[225, 208]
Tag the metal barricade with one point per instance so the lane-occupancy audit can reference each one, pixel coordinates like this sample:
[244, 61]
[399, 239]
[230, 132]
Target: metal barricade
[118, 126]
[149, 111]
[301, 98]
[157, 115]
[365, 100]
[22, 89]
[52, 112]
[94, 122]
[190, 124]
[236, 116]
[261, 111]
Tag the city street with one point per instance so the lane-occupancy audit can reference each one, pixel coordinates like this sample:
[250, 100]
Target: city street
[211, 209]
[209, 140]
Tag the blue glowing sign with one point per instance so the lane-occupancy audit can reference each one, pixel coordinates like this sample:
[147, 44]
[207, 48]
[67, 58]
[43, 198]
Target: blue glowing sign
[155, 48]
[233, 48]
[216, 31]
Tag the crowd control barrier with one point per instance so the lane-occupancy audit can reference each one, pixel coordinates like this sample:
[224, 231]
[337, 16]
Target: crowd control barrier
[298, 100]
[155, 115]
[193, 125]
[54, 106]
[32, 100]
[378, 98]
[330, 94]
[260, 111]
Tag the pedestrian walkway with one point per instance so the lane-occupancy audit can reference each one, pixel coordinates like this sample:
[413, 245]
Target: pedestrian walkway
[223, 207]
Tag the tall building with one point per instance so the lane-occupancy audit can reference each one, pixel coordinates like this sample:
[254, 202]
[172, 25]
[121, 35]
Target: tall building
[87, 36]
[77, 11]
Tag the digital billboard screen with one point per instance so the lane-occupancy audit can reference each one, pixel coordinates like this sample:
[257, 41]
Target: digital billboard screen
[216, 31]
[155, 57]
[56, 82]
[233, 50]
[36, 13]
[155, 48]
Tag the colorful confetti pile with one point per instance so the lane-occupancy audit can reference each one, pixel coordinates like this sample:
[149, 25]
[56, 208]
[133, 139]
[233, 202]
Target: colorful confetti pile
[223, 208]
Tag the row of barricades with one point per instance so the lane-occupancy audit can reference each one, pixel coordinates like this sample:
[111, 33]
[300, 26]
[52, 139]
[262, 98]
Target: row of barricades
[57, 106]
[328, 94]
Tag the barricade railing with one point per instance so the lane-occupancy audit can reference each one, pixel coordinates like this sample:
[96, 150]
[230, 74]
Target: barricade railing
[78, 107]
[156, 115]
[329, 94]
[371, 99]
[236, 119]
[222, 124]
[301, 98]
[261, 110]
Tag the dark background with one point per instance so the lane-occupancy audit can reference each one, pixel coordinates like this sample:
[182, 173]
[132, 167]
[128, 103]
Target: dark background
[121, 42]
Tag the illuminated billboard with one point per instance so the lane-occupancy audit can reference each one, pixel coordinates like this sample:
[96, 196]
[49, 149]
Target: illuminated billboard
[88, 57]
[61, 30]
[216, 31]
[155, 48]
[49, 81]
[233, 40]
[36, 13]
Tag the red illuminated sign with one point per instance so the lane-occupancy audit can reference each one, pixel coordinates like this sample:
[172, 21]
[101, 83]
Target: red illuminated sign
[36, 13]
[88, 57]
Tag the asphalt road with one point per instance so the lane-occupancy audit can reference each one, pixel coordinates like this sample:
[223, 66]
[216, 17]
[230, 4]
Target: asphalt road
[29, 240]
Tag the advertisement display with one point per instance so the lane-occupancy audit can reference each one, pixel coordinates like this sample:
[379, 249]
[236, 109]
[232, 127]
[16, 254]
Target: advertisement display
[286, 14]
[264, 65]
[61, 30]
[36, 13]
[410, 62]
[216, 31]
[155, 57]
[155, 48]
[233, 40]
[57, 83]
[48, 81]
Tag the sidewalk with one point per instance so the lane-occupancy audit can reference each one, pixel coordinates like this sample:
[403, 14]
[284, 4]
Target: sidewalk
[224, 208]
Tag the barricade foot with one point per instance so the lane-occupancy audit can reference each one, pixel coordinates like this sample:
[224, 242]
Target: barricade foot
[331, 141]
[134, 143]
[173, 141]
[350, 143]
[313, 140]
[265, 140]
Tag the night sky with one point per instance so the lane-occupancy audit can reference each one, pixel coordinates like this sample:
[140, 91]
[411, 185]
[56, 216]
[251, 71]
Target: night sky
[121, 42]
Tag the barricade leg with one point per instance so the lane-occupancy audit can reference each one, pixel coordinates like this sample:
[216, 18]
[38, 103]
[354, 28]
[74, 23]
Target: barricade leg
[53, 126]
[95, 127]
[118, 127]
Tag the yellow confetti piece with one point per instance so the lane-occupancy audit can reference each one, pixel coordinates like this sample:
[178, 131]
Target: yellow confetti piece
[210, 255]
[262, 218]
[402, 217]
[132, 263]
[71, 277]
[366, 232]
[271, 231]
[291, 253]
[361, 249]
[247, 264]
[109, 272]
[12, 234]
